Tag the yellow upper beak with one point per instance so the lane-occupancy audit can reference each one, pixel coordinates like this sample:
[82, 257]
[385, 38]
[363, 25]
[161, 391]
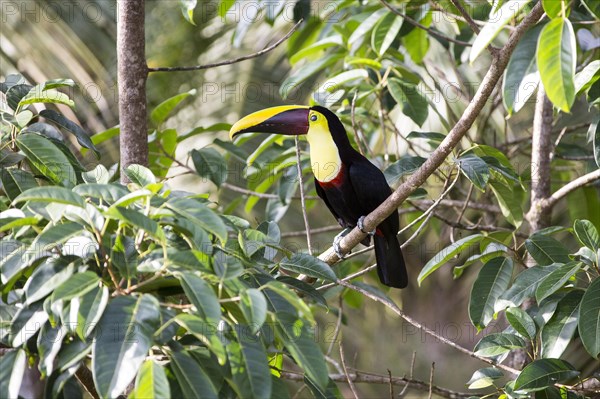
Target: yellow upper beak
[285, 119]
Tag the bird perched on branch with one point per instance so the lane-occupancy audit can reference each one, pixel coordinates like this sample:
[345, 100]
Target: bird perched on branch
[350, 185]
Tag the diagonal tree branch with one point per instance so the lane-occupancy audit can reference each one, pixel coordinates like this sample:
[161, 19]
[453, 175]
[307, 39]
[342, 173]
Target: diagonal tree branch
[573, 185]
[497, 67]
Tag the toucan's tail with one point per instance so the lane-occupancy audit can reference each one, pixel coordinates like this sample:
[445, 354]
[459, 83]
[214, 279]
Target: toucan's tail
[390, 263]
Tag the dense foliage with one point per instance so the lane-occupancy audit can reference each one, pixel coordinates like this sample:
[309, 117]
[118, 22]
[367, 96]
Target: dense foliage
[185, 297]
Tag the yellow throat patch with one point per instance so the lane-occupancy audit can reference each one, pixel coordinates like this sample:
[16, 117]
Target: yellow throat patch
[324, 155]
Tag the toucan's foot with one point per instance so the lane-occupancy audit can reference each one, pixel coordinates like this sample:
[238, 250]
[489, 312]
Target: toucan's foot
[361, 226]
[336, 243]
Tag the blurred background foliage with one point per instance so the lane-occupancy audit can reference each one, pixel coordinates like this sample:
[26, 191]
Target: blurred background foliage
[46, 40]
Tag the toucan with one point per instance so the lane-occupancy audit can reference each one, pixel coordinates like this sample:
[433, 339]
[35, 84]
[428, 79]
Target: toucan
[348, 183]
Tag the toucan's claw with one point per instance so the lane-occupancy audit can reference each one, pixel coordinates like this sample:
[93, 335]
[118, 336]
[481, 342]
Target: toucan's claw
[361, 226]
[336, 243]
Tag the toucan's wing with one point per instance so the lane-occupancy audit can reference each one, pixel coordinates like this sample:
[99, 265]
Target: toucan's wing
[369, 184]
[323, 196]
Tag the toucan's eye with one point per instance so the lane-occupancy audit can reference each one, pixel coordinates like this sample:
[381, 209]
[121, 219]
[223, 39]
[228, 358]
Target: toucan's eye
[313, 117]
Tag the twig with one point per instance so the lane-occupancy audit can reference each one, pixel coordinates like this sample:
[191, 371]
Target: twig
[466, 16]
[462, 210]
[338, 325]
[432, 32]
[437, 157]
[302, 201]
[412, 370]
[231, 61]
[575, 184]
[431, 380]
[371, 378]
[391, 384]
[457, 204]
[350, 382]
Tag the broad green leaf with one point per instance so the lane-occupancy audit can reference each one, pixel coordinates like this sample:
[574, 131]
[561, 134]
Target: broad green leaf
[202, 296]
[587, 76]
[446, 254]
[199, 214]
[217, 127]
[291, 303]
[308, 265]
[497, 20]
[118, 355]
[556, 58]
[521, 322]
[414, 104]
[109, 193]
[36, 95]
[559, 330]
[161, 111]
[98, 175]
[26, 323]
[543, 373]
[546, 250]
[586, 233]
[140, 174]
[315, 48]
[78, 285]
[151, 382]
[385, 32]
[82, 137]
[47, 158]
[90, 307]
[555, 281]
[308, 70]
[254, 307]
[209, 163]
[484, 378]
[299, 340]
[106, 135]
[15, 181]
[510, 203]
[521, 77]
[136, 219]
[47, 277]
[357, 37]
[249, 365]
[553, 8]
[433, 138]
[401, 167]
[589, 319]
[417, 41]
[491, 282]
[593, 7]
[524, 286]
[191, 377]
[13, 364]
[206, 332]
[594, 137]
[55, 235]
[496, 344]
[49, 342]
[333, 83]
[475, 169]
[55, 194]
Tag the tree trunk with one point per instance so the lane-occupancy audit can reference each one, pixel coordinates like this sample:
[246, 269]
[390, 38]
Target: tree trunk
[132, 73]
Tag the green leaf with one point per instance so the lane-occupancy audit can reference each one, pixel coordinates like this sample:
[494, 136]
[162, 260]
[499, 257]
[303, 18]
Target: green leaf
[82, 137]
[414, 104]
[47, 158]
[586, 233]
[90, 308]
[161, 111]
[191, 377]
[446, 254]
[299, 340]
[12, 368]
[108, 193]
[205, 332]
[417, 41]
[543, 373]
[553, 8]
[521, 322]
[254, 307]
[140, 175]
[491, 282]
[136, 219]
[546, 250]
[357, 37]
[385, 32]
[106, 135]
[594, 135]
[249, 365]
[484, 378]
[26, 323]
[309, 265]
[49, 342]
[475, 169]
[433, 138]
[199, 214]
[593, 7]
[308, 70]
[521, 76]
[496, 344]
[524, 286]
[556, 58]
[122, 341]
[151, 382]
[587, 76]
[560, 329]
[202, 296]
[211, 164]
[16, 181]
[78, 285]
[401, 167]
[58, 195]
[510, 203]
[54, 235]
[496, 21]
[555, 281]
[51, 274]
[36, 95]
[589, 319]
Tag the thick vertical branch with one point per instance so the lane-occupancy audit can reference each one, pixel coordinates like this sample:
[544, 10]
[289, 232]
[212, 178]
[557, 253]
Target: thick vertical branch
[541, 149]
[132, 73]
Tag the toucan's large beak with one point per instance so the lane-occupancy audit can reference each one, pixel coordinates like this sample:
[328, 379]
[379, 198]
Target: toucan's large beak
[290, 120]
